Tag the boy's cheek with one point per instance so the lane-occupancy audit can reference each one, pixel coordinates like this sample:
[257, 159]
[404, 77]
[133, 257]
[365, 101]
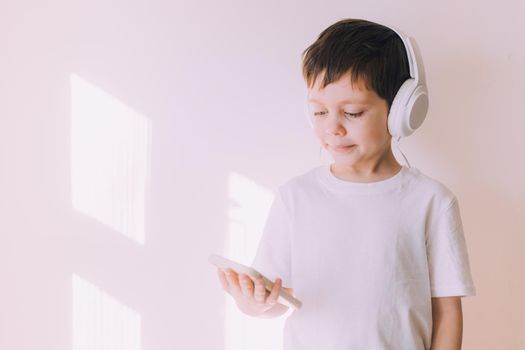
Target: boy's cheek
[319, 137]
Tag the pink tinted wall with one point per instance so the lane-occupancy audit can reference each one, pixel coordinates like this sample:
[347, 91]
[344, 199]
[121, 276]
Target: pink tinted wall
[121, 124]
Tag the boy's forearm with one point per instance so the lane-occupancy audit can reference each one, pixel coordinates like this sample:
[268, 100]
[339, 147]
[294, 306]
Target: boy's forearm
[447, 329]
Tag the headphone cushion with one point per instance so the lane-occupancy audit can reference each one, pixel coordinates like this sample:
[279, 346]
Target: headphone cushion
[398, 117]
[417, 108]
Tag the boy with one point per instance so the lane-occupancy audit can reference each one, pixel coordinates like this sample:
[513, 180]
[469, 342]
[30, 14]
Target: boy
[374, 250]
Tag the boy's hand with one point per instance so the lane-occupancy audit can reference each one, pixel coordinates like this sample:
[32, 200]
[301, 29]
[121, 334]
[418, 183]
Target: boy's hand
[250, 296]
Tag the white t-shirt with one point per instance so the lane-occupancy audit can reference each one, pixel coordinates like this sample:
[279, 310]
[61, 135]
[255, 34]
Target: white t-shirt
[364, 258]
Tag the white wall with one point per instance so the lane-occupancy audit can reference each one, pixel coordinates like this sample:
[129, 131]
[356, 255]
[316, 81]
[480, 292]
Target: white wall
[138, 137]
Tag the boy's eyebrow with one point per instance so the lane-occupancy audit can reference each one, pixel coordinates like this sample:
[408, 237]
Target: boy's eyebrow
[349, 101]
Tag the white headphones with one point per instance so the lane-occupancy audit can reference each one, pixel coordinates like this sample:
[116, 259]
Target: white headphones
[410, 105]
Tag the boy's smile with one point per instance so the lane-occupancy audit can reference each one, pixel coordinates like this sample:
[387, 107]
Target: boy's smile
[351, 123]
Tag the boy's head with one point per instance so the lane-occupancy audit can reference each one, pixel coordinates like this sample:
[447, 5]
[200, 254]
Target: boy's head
[366, 63]
[369, 51]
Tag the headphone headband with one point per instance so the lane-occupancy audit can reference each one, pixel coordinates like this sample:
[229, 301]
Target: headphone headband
[414, 55]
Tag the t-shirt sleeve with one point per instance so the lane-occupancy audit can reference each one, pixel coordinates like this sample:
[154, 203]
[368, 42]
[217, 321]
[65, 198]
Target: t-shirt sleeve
[447, 254]
[272, 258]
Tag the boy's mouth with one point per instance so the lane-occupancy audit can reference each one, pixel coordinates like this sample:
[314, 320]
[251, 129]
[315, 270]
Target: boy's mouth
[341, 148]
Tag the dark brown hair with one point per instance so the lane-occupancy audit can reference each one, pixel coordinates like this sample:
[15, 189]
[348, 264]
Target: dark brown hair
[372, 52]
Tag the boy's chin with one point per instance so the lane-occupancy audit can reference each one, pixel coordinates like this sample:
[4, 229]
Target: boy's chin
[345, 162]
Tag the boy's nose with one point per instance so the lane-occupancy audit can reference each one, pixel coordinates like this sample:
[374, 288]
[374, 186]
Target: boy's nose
[334, 126]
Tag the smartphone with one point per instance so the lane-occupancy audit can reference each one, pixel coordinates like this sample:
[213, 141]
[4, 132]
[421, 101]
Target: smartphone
[284, 298]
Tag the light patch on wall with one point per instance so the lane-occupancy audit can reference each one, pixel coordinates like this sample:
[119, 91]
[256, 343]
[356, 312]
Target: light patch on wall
[246, 218]
[101, 322]
[109, 159]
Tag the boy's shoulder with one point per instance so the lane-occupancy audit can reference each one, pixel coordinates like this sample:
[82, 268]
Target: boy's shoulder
[426, 191]
[427, 186]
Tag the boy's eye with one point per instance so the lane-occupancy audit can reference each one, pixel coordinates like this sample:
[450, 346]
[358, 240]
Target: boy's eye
[354, 115]
[350, 115]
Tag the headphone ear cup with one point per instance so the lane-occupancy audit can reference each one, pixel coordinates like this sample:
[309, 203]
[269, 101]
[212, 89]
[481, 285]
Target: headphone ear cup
[408, 110]
[397, 110]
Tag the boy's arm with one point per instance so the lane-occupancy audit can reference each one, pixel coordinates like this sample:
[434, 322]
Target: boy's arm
[447, 317]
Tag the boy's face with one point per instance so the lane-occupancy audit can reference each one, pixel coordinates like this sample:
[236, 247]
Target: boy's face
[350, 123]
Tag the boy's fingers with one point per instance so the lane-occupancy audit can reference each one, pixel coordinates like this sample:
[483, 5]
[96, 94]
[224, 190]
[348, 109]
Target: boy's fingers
[246, 285]
[242, 284]
[222, 278]
[274, 294]
[259, 291]
[233, 279]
